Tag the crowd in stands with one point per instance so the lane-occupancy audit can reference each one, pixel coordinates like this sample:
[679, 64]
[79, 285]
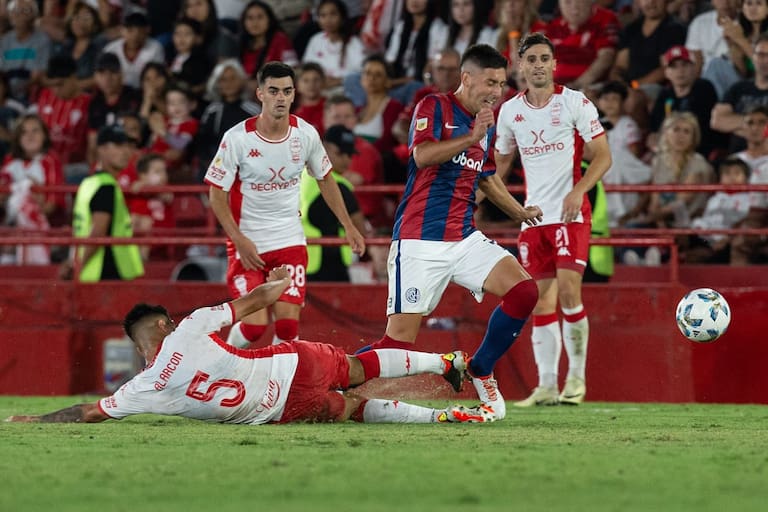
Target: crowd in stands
[682, 86]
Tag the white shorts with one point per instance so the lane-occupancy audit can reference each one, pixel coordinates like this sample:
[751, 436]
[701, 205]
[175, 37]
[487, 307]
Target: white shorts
[419, 270]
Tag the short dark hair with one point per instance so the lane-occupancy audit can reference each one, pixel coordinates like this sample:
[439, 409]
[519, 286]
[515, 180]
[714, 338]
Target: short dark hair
[735, 162]
[195, 25]
[532, 40]
[758, 109]
[61, 66]
[613, 87]
[378, 57]
[311, 66]
[484, 56]
[338, 99]
[138, 313]
[275, 69]
[182, 88]
[142, 165]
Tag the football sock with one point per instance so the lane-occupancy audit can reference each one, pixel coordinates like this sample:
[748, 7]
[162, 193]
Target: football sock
[399, 363]
[575, 338]
[286, 329]
[504, 326]
[394, 411]
[386, 342]
[545, 337]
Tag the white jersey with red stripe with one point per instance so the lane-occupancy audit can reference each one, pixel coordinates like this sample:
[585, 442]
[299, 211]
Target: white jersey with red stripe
[551, 141]
[197, 375]
[262, 177]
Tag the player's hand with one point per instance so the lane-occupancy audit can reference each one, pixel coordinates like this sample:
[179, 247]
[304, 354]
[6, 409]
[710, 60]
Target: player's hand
[278, 273]
[483, 121]
[571, 206]
[356, 241]
[249, 255]
[532, 215]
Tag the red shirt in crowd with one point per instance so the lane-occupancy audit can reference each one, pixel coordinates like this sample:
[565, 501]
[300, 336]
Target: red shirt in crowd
[67, 122]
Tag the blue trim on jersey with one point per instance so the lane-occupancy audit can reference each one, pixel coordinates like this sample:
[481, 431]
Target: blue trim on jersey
[398, 287]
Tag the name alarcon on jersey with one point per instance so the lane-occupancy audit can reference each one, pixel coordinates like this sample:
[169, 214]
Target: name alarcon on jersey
[471, 163]
[542, 149]
[275, 185]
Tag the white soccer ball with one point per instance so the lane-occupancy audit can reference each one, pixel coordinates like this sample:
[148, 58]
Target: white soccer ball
[703, 315]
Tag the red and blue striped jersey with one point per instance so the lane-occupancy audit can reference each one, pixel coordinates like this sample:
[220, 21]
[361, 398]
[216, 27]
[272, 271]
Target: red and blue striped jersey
[439, 200]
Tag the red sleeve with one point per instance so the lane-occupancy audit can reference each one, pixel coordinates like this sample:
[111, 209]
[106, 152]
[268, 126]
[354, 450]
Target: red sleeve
[423, 127]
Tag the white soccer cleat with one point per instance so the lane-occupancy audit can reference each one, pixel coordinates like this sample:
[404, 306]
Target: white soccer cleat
[488, 391]
[574, 391]
[462, 414]
[540, 396]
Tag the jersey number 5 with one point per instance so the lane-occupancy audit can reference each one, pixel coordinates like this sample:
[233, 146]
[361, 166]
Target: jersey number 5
[201, 378]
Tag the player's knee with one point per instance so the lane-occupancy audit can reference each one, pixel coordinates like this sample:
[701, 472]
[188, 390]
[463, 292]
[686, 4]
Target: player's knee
[287, 329]
[252, 332]
[520, 300]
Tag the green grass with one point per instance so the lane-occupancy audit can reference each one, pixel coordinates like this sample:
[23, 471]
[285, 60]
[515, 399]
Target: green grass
[595, 457]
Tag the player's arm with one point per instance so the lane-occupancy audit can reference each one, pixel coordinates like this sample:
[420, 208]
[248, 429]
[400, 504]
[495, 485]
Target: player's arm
[497, 193]
[332, 196]
[436, 152]
[601, 162]
[249, 254]
[81, 413]
[263, 295]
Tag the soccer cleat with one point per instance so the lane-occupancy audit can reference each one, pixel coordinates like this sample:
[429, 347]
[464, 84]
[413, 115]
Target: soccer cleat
[488, 391]
[574, 391]
[461, 414]
[455, 365]
[540, 396]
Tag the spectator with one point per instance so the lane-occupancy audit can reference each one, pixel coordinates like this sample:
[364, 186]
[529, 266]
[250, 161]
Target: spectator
[468, 25]
[742, 36]
[380, 21]
[63, 107]
[172, 135]
[150, 211]
[154, 79]
[335, 47]
[29, 164]
[327, 263]
[262, 39]
[227, 92]
[100, 211]
[83, 42]
[310, 82]
[724, 210]
[378, 115]
[366, 166]
[685, 93]
[706, 41]
[728, 115]
[10, 110]
[751, 249]
[218, 42]
[585, 38]
[24, 50]
[756, 152]
[135, 49]
[516, 18]
[625, 141]
[111, 98]
[190, 63]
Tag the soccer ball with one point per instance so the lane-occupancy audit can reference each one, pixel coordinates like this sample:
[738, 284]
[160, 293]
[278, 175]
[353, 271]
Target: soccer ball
[703, 315]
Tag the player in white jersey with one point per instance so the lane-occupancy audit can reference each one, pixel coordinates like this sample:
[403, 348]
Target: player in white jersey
[551, 126]
[254, 190]
[193, 373]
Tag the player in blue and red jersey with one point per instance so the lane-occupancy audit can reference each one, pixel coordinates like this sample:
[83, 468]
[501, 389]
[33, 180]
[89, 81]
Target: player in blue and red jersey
[435, 240]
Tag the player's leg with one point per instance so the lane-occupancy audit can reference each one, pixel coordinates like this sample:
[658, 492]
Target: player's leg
[394, 411]
[239, 282]
[390, 363]
[288, 309]
[575, 335]
[418, 272]
[286, 321]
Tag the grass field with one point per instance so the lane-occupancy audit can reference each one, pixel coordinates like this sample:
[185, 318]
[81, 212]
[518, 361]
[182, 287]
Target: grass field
[595, 457]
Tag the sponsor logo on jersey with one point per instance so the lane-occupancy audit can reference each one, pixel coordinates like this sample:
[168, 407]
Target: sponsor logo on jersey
[223, 145]
[563, 251]
[253, 153]
[277, 174]
[541, 146]
[271, 396]
[293, 291]
[484, 143]
[412, 295]
[109, 402]
[595, 126]
[216, 173]
[519, 118]
[470, 163]
[421, 124]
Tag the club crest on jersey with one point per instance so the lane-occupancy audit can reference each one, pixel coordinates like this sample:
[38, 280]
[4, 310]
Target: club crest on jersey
[555, 113]
[295, 147]
[421, 124]
[412, 295]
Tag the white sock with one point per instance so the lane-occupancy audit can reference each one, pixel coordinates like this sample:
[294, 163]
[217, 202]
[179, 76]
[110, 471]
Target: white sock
[546, 351]
[393, 411]
[576, 337]
[395, 362]
[236, 337]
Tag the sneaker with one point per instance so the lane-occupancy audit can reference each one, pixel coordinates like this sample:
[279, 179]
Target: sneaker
[461, 414]
[455, 365]
[574, 391]
[540, 396]
[488, 391]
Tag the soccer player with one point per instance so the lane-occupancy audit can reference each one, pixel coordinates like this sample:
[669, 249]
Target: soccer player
[435, 240]
[551, 126]
[254, 190]
[191, 372]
